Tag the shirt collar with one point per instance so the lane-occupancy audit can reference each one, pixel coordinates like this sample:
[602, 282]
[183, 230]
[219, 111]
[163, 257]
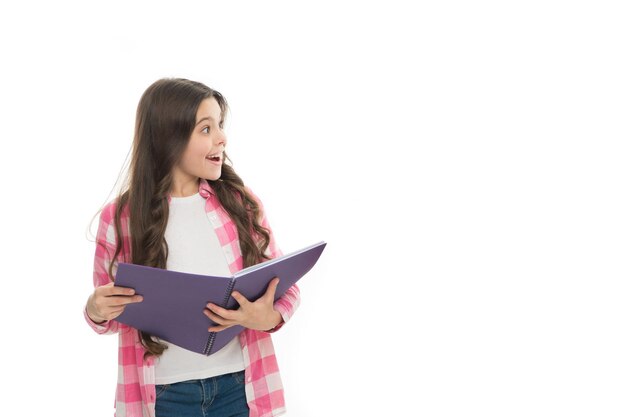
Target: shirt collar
[204, 188]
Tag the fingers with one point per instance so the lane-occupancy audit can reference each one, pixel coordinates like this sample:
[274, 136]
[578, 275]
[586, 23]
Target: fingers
[271, 289]
[108, 301]
[221, 322]
[220, 312]
[122, 300]
[240, 298]
[269, 294]
[110, 295]
[110, 289]
[111, 307]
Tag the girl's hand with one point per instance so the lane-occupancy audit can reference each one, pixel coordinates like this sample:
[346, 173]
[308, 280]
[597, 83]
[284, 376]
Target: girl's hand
[257, 315]
[107, 302]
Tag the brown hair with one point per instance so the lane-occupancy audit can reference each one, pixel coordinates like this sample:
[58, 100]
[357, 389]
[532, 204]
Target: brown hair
[166, 116]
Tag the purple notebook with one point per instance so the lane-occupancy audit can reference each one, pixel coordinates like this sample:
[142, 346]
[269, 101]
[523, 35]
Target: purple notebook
[173, 301]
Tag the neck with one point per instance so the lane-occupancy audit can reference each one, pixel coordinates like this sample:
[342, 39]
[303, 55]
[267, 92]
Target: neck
[185, 188]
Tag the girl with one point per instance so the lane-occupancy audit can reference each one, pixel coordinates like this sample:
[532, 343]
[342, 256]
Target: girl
[184, 209]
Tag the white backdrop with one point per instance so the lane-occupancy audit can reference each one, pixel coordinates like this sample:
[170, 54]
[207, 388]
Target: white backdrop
[463, 160]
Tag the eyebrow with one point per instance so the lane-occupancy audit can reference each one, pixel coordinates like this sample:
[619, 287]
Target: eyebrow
[203, 119]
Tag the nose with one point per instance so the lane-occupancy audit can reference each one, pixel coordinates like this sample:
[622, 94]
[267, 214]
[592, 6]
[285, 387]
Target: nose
[221, 139]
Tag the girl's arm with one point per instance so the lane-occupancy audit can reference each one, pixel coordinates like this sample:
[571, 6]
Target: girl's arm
[105, 248]
[290, 301]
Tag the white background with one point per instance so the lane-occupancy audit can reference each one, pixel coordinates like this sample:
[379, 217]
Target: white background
[463, 160]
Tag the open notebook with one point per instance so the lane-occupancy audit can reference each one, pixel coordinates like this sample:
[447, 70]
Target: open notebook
[173, 302]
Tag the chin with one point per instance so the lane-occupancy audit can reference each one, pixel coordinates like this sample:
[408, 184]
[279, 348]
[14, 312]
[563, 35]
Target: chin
[214, 176]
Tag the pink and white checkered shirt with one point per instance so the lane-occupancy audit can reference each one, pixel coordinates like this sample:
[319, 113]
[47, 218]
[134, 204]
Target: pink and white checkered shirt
[135, 394]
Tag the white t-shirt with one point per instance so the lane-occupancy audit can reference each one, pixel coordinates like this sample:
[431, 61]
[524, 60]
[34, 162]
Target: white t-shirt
[194, 248]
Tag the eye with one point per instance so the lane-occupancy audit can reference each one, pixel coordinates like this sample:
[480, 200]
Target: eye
[205, 128]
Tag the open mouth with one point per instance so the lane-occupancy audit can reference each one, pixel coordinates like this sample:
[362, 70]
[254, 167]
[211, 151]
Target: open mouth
[214, 158]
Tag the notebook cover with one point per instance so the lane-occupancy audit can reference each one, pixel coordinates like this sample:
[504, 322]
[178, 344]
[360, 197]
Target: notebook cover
[172, 303]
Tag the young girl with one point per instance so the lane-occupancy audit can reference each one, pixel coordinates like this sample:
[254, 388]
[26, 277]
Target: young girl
[184, 209]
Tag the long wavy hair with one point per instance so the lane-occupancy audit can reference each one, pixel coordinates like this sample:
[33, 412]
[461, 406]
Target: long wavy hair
[166, 116]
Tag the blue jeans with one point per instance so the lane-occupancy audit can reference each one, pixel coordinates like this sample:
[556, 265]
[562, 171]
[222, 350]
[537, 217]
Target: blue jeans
[219, 396]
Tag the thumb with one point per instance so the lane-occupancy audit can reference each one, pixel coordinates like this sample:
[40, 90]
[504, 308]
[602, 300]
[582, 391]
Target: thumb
[271, 289]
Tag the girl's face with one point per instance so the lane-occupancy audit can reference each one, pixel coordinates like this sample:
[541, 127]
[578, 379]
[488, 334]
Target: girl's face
[204, 154]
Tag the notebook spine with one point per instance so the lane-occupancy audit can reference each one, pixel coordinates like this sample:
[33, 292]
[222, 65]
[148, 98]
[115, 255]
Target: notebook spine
[228, 292]
[209, 343]
[212, 335]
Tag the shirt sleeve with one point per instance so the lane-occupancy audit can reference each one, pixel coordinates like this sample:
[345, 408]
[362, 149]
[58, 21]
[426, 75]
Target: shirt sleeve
[290, 301]
[105, 248]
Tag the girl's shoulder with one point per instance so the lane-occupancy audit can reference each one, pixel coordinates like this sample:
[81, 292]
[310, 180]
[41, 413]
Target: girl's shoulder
[107, 214]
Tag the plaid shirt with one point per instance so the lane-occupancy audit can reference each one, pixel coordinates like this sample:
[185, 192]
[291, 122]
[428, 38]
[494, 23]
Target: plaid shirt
[135, 394]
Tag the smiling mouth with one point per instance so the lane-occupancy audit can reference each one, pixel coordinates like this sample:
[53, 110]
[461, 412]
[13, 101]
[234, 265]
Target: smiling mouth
[214, 158]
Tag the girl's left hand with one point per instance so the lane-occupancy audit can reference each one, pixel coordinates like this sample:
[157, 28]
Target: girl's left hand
[257, 315]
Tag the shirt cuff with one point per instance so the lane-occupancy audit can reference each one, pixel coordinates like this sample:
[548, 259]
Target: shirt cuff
[278, 326]
[99, 326]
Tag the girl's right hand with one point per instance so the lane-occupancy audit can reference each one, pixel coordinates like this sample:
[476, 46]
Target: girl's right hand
[108, 301]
